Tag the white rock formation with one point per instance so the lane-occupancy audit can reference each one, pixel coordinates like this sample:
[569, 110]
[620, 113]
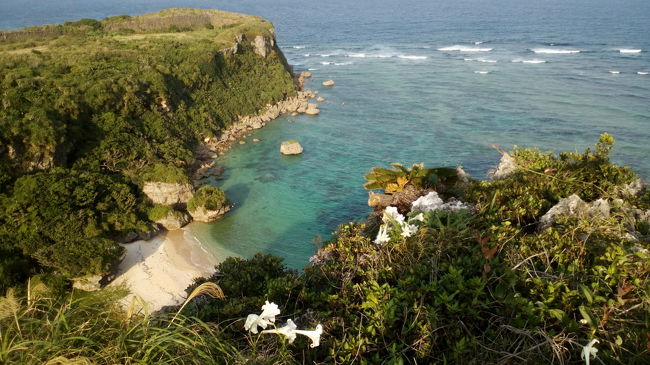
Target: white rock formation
[168, 193]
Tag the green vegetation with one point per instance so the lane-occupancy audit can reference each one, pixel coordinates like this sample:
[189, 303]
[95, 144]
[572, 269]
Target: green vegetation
[470, 287]
[209, 197]
[477, 286]
[90, 110]
[89, 328]
[396, 179]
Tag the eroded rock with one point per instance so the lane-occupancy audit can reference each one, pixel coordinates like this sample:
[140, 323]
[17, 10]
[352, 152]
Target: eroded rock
[505, 168]
[291, 148]
[174, 220]
[201, 214]
[574, 205]
[168, 193]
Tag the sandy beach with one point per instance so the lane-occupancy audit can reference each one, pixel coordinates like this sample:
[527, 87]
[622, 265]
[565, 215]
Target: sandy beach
[159, 270]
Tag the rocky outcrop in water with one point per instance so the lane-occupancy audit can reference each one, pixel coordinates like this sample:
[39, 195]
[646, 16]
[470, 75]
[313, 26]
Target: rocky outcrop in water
[202, 214]
[291, 148]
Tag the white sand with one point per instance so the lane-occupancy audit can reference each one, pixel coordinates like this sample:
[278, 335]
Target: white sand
[159, 270]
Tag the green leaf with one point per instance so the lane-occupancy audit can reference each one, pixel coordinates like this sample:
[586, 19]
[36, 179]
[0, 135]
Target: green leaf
[587, 293]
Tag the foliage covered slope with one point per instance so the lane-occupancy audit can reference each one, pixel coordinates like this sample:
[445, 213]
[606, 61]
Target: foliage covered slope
[91, 109]
[472, 287]
[480, 286]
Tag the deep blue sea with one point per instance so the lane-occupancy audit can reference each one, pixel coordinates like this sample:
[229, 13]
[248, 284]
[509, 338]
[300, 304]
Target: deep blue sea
[416, 81]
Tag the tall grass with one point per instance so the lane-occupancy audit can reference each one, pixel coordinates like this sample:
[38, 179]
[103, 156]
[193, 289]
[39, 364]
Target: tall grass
[91, 328]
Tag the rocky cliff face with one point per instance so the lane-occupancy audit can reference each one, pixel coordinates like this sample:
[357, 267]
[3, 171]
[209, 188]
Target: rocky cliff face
[263, 45]
[168, 193]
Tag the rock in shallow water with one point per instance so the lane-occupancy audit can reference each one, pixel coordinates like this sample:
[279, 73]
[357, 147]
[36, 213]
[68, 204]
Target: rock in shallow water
[290, 148]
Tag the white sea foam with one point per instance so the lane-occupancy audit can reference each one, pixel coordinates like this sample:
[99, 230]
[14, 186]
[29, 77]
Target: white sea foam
[464, 49]
[342, 63]
[312, 69]
[534, 61]
[407, 57]
[628, 50]
[326, 63]
[614, 72]
[642, 72]
[554, 51]
[477, 43]
[299, 47]
[480, 59]
[307, 54]
[482, 72]
[357, 55]
[325, 55]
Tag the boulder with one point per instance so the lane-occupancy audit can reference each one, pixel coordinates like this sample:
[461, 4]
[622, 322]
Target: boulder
[312, 109]
[290, 148]
[304, 105]
[174, 220]
[505, 168]
[201, 214]
[168, 193]
[320, 99]
[255, 140]
[328, 83]
[379, 201]
[305, 74]
[573, 205]
[87, 283]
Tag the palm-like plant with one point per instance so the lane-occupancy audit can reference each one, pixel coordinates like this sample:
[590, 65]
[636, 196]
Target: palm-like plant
[398, 177]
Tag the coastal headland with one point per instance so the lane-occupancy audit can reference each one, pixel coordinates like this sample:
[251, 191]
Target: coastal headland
[111, 127]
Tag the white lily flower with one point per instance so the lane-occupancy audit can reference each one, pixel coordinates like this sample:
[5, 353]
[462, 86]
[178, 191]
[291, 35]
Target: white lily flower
[589, 351]
[269, 311]
[419, 217]
[288, 330]
[314, 335]
[382, 235]
[391, 212]
[408, 229]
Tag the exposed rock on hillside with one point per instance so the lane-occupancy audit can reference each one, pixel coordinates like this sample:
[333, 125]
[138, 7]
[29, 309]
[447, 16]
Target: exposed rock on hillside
[506, 167]
[87, 283]
[174, 220]
[263, 45]
[573, 205]
[168, 193]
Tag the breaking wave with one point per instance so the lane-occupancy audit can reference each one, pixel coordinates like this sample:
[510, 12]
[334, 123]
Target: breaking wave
[535, 61]
[464, 49]
[629, 50]
[554, 51]
[480, 59]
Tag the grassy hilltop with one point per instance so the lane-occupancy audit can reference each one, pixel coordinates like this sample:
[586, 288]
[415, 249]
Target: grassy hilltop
[89, 110]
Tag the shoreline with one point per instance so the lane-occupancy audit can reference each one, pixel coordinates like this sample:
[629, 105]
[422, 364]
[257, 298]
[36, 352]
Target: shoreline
[158, 270]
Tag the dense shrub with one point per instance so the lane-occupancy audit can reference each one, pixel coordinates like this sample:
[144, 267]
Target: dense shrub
[208, 197]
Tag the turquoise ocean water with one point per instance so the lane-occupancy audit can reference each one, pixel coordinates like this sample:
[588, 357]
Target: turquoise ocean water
[416, 81]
